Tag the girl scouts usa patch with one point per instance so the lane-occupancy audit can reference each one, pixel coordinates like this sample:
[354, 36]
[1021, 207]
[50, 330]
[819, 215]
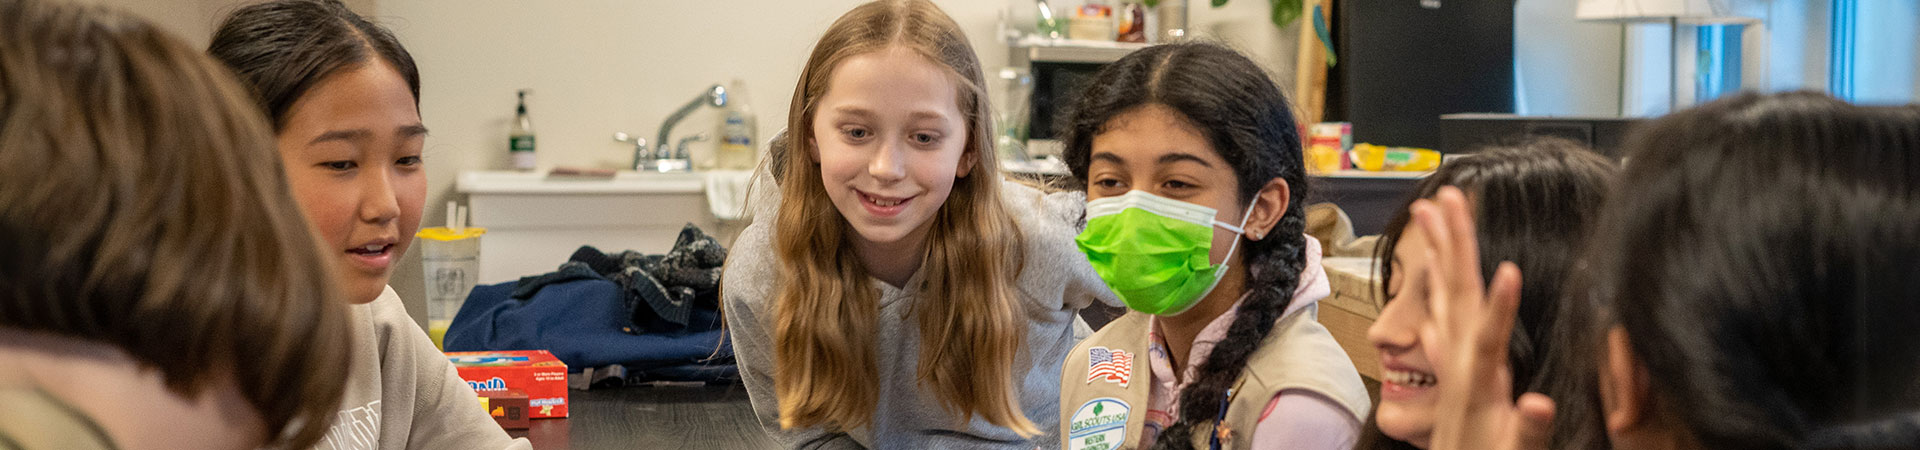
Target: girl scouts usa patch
[1111, 365]
[1100, 424]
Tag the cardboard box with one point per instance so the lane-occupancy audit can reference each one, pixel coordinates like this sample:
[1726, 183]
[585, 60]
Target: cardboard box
[508, 408]
[543, 377]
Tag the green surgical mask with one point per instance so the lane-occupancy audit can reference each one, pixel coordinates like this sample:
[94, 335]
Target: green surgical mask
[1153, 251]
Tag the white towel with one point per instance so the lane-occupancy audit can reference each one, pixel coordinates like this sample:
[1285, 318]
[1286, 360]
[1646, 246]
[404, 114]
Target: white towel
[727, 193]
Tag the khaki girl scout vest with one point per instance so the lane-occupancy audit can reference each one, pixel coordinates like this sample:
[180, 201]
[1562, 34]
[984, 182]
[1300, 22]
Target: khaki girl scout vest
[1105, 380]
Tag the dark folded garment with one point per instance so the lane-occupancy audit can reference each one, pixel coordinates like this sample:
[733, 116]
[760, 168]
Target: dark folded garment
[582, 322]
[656, 315]
[663, 291]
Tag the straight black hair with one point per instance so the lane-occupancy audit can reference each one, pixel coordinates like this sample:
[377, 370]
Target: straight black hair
[282, 48]
[1243, 115]
[1763, 258]
[1535, 201]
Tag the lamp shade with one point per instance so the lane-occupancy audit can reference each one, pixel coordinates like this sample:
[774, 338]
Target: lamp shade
[1654, 10]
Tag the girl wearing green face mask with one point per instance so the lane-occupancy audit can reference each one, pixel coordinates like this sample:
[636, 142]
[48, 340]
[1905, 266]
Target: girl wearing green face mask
[1192, 166]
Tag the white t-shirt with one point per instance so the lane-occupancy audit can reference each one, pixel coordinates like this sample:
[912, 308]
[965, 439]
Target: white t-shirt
[403, 394]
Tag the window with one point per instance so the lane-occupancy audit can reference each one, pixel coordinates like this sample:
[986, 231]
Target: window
[1875, 55]
[1718, 61]
[1863, 51]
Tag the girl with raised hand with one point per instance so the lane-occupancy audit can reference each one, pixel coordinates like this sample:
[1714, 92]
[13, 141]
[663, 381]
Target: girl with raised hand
[1536, 201]
[1752, 287]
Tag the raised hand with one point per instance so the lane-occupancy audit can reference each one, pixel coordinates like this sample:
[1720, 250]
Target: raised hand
[1471, 325]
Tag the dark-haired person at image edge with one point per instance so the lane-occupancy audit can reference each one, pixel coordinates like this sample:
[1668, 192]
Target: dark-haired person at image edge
[1536, 200]
[1191, 161]
[1752, 285]
[157, 288]
[343, 97]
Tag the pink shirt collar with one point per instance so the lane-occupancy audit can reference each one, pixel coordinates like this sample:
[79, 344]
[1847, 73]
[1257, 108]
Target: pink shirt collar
[1162, 398]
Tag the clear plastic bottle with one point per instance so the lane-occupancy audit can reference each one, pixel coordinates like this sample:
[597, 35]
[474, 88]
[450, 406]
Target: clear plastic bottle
[738, 138]
[1172, 26]
[520, 139]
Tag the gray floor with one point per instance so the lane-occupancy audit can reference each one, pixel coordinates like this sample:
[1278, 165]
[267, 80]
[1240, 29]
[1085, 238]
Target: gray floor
[679, 416]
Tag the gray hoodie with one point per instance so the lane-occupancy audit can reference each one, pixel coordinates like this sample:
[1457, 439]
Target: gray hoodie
[1056, 283]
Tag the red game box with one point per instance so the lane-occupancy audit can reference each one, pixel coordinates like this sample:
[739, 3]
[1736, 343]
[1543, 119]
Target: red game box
[535, 371]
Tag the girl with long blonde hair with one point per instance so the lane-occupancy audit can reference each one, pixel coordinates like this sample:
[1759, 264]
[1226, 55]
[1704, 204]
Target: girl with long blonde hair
[902, 294]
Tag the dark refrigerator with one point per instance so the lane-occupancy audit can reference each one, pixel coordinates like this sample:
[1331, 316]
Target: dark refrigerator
[1403, 63]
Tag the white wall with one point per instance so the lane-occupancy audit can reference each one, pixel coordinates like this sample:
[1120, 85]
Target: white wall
[1564, 67]
[190, 20]
[194, 20]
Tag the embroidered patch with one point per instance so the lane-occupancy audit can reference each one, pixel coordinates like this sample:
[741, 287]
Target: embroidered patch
[1111, 365]
[1100, 424]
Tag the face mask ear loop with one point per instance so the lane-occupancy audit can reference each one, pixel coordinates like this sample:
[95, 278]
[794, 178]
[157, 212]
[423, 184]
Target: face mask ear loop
[1238, 232]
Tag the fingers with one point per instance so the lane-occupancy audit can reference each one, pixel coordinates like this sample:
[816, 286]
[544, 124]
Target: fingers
[1534, 424]
[1426, 215]
[1462, 242]
[1503, 305]
[1443, 283]
[1455, 248]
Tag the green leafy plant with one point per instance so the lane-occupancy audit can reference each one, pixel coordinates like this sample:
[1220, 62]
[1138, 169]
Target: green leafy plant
[1284, 11]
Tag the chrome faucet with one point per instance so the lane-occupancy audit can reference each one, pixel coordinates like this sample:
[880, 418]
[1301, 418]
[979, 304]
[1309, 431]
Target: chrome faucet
[665, 157]
[680, 151]
[716, 96]
[640, 154]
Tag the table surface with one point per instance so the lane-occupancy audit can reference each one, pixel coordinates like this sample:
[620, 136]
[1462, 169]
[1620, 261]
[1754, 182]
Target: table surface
[700, 416]
[687, 416]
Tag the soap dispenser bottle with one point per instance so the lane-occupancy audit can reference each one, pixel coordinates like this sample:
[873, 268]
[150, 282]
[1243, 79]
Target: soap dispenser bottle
[520, 140]
[737, 149]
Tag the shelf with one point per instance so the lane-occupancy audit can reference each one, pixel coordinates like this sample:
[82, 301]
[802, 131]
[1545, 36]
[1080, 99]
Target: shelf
[1074, 50]
[1372, 175]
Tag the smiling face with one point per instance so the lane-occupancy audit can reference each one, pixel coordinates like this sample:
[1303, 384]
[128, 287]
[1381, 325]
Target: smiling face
[352, 148]
[891, 141]
[1406, 390]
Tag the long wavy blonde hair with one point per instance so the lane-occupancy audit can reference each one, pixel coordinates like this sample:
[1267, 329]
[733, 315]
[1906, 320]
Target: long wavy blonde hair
[827, 307]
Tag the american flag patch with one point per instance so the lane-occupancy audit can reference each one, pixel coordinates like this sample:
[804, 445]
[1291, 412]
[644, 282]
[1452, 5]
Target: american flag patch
[1112, 365]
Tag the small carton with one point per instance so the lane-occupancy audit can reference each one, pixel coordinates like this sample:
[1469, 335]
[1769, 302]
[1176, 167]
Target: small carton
[1327, 146]
[508, 408]
[543, 377]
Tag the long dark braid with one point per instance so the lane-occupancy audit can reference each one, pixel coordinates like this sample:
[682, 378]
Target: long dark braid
[1248, 121]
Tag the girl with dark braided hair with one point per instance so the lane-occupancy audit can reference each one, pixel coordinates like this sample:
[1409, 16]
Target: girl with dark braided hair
[1191, 162]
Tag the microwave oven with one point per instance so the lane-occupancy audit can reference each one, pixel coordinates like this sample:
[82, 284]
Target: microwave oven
[1060, 70]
